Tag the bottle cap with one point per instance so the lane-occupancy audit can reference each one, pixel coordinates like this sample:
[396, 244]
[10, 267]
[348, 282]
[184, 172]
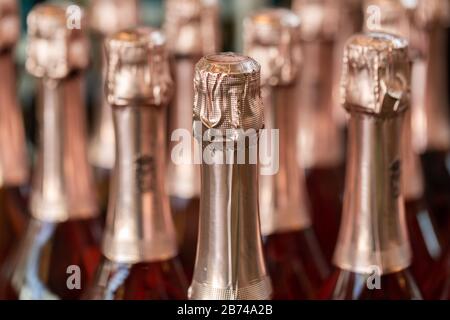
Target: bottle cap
[56, 44]
[137, 68]
[376, 74]
[110, 16]
[227, 92]
[271, 36]
[192, 26]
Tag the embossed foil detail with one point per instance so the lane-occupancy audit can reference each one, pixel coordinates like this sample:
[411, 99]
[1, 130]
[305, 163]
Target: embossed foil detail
[137, 68]
[376, 74]
[192, 27]
[53, 49]
[9, 24]
[227, 92]
[272, 37]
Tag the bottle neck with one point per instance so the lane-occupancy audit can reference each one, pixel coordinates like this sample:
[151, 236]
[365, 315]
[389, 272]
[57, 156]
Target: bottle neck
[48, 197]
[139, 225]
[102, 144]
[435, 113]
[318, 134]
[229, 262]
[284, 204]
[13, 159]
[373, 230]
[183, 174]
[80, 181]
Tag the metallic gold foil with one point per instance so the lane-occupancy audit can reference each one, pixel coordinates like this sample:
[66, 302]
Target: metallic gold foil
[139, 224]
[376, 94]
[192, 26]
[13, 157]
[272, 38]
[229, 262]
[105, 18]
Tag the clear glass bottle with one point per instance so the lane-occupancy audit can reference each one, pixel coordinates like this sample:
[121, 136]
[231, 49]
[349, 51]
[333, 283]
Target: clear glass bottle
[139, 243]
[272, 38]
[373, 254]
[64, 227]
[106, 17]
[13, 156]
[192, 29]
[320, 144]
[228, 115]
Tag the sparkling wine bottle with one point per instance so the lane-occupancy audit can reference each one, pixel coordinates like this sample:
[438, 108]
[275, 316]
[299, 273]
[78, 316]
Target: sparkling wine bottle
[228, 115]
[373, 254]
[13, 160]
[139, 244]
[192, 29]
[272, 38]
[320, 147]
[106, 18]
[424, 237]
[431, 129]
[61, 237]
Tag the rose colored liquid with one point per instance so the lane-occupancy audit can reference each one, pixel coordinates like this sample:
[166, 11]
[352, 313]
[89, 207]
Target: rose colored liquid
[164, 280]
[296, 264]
[102, 177]
[186, 215]
[347, 285]
[69, 243]
[438, 284]
[424, 240]
[437, 187]
[325, 188]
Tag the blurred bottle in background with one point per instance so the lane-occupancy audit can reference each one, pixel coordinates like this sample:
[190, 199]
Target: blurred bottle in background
[64, 229]
[192, 28]
[139, 244]
[105, 18]
[320, 147]
[391, 16]
[13, 153]
[272, 37]
[373, 254]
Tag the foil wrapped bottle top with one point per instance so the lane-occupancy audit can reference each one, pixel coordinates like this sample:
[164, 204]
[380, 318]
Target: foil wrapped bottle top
[138, 68]
[192, 26]
[272, 37]
[9, 24]
[109, 16]
[320, 18]
[376, 74]
[55, 45]
[227, 92]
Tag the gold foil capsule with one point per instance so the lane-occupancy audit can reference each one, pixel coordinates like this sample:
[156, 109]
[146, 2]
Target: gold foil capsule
[9, 24]
[376, 74]
[110, 16]
[192, 26]
[272, 37]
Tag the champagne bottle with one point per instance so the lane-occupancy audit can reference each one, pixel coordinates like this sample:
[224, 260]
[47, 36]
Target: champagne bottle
[139, 244]
[192, 28]
[228, 115]
[320, 147]
[272, 38]
[373, 254]
[13, 156]
[424, 236]
[106, 18]
[61, 237]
